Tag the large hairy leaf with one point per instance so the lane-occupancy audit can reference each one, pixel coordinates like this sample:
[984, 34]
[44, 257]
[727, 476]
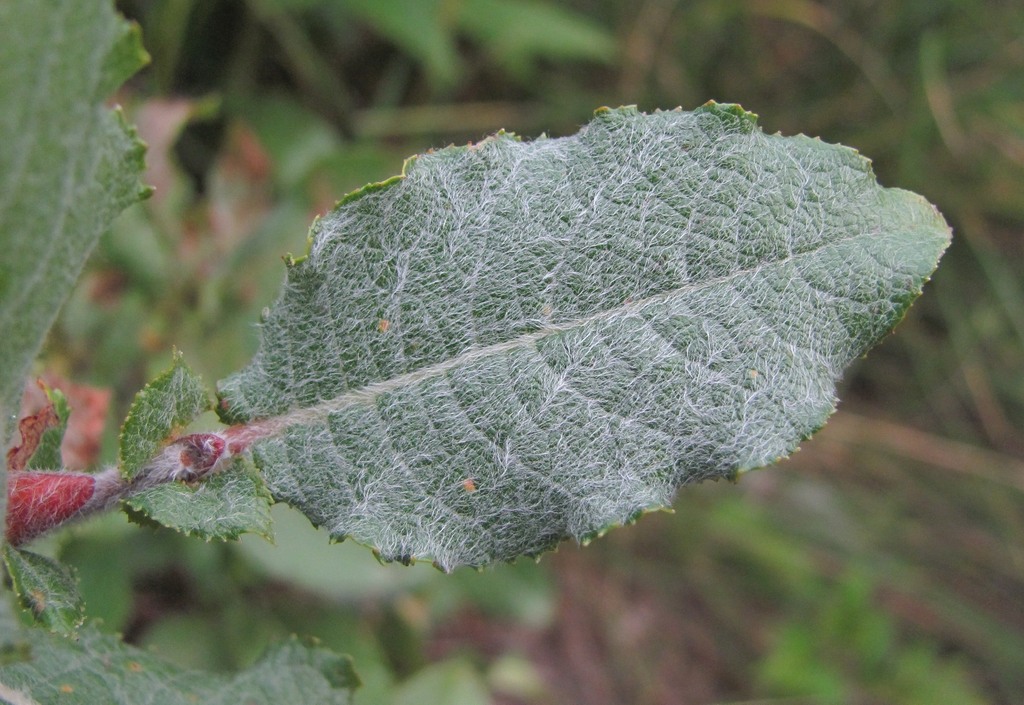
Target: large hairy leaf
[68, 164]
[518, 342]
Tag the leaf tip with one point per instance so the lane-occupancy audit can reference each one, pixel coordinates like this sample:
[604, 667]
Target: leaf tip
[508, 134]
[731, 113]
[135, 153]
[605, 112]
[125, 57]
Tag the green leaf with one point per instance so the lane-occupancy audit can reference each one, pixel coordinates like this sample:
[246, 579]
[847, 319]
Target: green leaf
[518, 32]
[515, 343]
[98, 668]
[68, 164]
[224, 506]
[46, 588]
[162, 408]
[48, 455]
[453, 682]
[417, 26]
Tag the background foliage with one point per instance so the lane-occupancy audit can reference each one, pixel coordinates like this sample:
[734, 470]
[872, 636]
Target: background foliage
[882, 564]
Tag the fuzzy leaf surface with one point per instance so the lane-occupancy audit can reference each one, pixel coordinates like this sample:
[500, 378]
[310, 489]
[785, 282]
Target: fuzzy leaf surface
[162, 408]
[519, 342]
[46, 588]
[223, 506]
[68, 164]
[99, 668]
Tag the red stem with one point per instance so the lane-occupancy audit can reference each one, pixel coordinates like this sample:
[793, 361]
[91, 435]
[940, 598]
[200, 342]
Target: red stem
[38, 501]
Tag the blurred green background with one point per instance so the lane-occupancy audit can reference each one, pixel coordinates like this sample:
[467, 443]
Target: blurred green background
[884, 563]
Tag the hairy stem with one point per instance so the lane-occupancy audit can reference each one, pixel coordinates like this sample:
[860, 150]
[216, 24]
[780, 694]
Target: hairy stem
[39, 501]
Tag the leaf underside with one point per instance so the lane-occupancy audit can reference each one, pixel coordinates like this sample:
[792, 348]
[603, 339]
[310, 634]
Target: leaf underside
[519, 342]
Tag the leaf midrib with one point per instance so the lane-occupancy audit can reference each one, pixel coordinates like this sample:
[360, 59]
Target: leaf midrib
[369, 393]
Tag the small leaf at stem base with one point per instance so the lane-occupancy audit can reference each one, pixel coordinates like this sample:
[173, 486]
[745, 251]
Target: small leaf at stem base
[46, 588]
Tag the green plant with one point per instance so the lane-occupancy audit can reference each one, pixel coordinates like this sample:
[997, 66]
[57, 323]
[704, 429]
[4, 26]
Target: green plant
[874, 667]
[639, 359]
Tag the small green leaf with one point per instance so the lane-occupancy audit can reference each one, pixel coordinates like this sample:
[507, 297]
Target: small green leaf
[48, 455]
[163, 407]
[518, 342]
[46, 588]
[99, 668]
[223, 506]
